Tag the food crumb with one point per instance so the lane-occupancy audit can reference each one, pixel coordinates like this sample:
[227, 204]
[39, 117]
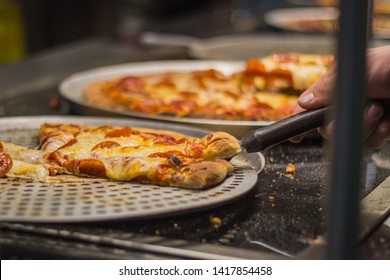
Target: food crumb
[176, 226]
[290, 168]
[273, 205]
[215, 221]
[271, 198]
[224, 240]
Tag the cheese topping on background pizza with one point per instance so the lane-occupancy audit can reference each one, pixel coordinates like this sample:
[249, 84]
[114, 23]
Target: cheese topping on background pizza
[258, 92]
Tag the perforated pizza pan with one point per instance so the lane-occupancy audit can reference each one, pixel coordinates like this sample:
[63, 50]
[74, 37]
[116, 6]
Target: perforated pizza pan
[102, 200]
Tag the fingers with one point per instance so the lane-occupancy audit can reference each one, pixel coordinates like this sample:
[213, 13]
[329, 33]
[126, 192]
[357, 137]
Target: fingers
[317, 96]
[380, 134]
[372, 115]
[377, 127]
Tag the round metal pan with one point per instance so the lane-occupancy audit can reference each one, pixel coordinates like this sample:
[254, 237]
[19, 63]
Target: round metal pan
[91, 200]
[71, 90]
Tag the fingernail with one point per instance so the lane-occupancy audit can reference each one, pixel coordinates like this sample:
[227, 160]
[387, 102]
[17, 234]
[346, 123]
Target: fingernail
[306, 98]
[375, 111]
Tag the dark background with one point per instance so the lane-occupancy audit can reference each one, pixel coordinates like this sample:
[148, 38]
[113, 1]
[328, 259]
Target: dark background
[50, 23]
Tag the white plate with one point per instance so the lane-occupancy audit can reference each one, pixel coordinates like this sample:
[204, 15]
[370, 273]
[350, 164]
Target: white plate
[71, 90]
[282, 18]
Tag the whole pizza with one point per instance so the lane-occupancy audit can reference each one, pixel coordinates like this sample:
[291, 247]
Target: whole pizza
[264, 90]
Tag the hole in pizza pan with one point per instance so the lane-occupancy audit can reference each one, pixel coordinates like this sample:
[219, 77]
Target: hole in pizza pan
[10, 196]
[23, 203]
[54, 210]
[172, 203]
[87, 192]
[25, 199]
[217, 194]
[36, 209]
[58, 194]
[100, 206]
[159, 205]
[143, 202]
[100, 191]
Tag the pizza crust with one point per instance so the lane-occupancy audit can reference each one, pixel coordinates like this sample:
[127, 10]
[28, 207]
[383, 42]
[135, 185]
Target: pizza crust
[220, 145]
[206, 174]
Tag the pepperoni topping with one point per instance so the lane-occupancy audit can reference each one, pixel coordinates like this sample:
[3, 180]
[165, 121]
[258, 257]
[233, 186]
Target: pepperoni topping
[70, 143]
[5, 163]
[163, 139]
[106, 145]
[279, 74]
[92, 167]
[120, 132]
[286, 57]
[255, 67]
[132, 83]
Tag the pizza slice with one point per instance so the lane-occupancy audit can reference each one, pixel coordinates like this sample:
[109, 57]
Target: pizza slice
[123, 154]
[281, 72]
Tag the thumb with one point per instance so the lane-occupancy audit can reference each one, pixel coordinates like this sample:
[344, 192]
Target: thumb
[319, 94]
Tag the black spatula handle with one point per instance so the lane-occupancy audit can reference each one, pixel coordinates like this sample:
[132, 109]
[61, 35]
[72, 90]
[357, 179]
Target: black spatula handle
[259, 139]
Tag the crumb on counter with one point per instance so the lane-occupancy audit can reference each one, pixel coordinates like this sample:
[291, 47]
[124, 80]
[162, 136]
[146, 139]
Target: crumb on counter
[215, 221]
[290, 168]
